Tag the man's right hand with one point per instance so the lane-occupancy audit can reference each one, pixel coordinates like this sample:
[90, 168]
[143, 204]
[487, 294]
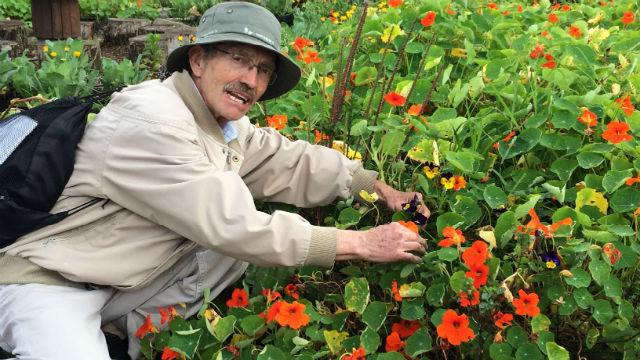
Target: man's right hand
[384, 243]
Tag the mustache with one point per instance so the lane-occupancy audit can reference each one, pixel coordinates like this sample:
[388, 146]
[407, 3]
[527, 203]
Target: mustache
[240, 87]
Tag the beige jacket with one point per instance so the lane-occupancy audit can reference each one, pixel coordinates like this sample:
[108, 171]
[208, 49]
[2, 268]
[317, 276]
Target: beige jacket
[170, 181]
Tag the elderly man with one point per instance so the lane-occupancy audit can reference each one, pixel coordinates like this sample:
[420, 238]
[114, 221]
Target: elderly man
[179, 166]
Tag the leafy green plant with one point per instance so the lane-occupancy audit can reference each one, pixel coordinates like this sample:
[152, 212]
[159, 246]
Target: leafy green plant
[116, 74]
[19, 10]
[152, 55]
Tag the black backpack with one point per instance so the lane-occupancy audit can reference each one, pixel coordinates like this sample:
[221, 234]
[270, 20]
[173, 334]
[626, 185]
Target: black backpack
[37, 155]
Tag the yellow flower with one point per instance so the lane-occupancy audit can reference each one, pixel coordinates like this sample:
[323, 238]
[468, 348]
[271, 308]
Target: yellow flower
[448, 183]
[193, 38]
[45, 48]
[370, 198]
[550, 264]
[343, 18]
[66, 48]
[391, 32]
[350, 153]
[180, 38]
[458, 52]
[53, 54]
[76, 54]
[430, 172]
[326, 81]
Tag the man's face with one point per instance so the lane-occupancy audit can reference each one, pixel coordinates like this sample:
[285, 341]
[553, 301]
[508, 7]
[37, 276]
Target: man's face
[233, 79]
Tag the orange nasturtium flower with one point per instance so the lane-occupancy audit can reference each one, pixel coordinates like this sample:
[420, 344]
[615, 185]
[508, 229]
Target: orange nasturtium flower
[415, 110]
[409, 225]
[553, 18]
[292, 315]
[502, 320]
[632, 180]
[394, 99]
[617, 132]
[575, 32]
[239, 298]
[277, 122]
[428, 19]
[452, 236]
[526, 304]
[300, 43]
[479, 273]
[550, 64]
[394, 3]
[459, 182]
[628, 17]
[357, 354]
[309, 56]
[492, 5]
[466, 302]
[168, 354]
[534, 225]
[273, 311]
[612, 252]
[538, 51]
[476, 254]
[393, 342]
[271, 295]
[146, 328]
[405, 328]
[320, 136]
[588, 117]
[625, 104]
[395, 292]
[292, 290]
[168, 314]
[455, 328]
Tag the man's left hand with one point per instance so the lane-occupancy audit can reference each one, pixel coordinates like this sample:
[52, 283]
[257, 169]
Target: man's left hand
[394, 199]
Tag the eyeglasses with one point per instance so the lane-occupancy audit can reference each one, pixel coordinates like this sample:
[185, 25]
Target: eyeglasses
[266, 73]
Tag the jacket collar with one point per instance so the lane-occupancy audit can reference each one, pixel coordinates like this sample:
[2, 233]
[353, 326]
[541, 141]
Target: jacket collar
[191, 97]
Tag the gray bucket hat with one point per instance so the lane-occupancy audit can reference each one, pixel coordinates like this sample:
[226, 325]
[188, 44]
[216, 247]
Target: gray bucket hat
[245, 23]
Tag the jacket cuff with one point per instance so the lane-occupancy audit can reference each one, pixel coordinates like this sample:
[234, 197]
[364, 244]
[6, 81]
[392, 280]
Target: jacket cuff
[363, 180]
[322, 247]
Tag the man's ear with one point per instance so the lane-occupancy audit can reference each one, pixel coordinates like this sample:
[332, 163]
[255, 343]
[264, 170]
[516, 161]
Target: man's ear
[196, 60]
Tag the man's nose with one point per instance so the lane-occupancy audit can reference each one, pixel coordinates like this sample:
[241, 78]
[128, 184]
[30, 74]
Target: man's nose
[250, 77]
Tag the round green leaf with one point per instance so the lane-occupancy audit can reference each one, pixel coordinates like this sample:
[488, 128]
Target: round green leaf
[448, 254]
[580, 278]
[540, 323]
[271, 352]
[359, 128]
[412, 309]
[613, 179]
[468, 208]
[583, 298]
[505, 227]
[516, 337]
[356, 294]
[592, 337]
[435, 294]
[497, 350]
[543, 338]
[251, 324]
[568, 306]
[370, 340]
[613, 288]
[494, 196]
[414, 47]
[224, 327]
[602, 311]
[556, 352]
[625, 310]
[588, 160]
[625, 199]
[524, 142]
[375, 314]
[528, 351]
[459, 282]
[600, 271]
[418, 343]
[564, 167]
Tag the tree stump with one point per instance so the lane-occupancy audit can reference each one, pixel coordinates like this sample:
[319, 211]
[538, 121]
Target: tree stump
[14, 30]
[120, 30]
[86, 30]
[168, 42]
[55, 19]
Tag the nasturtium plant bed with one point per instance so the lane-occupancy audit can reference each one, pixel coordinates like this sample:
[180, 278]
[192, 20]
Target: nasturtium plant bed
[518, 124]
